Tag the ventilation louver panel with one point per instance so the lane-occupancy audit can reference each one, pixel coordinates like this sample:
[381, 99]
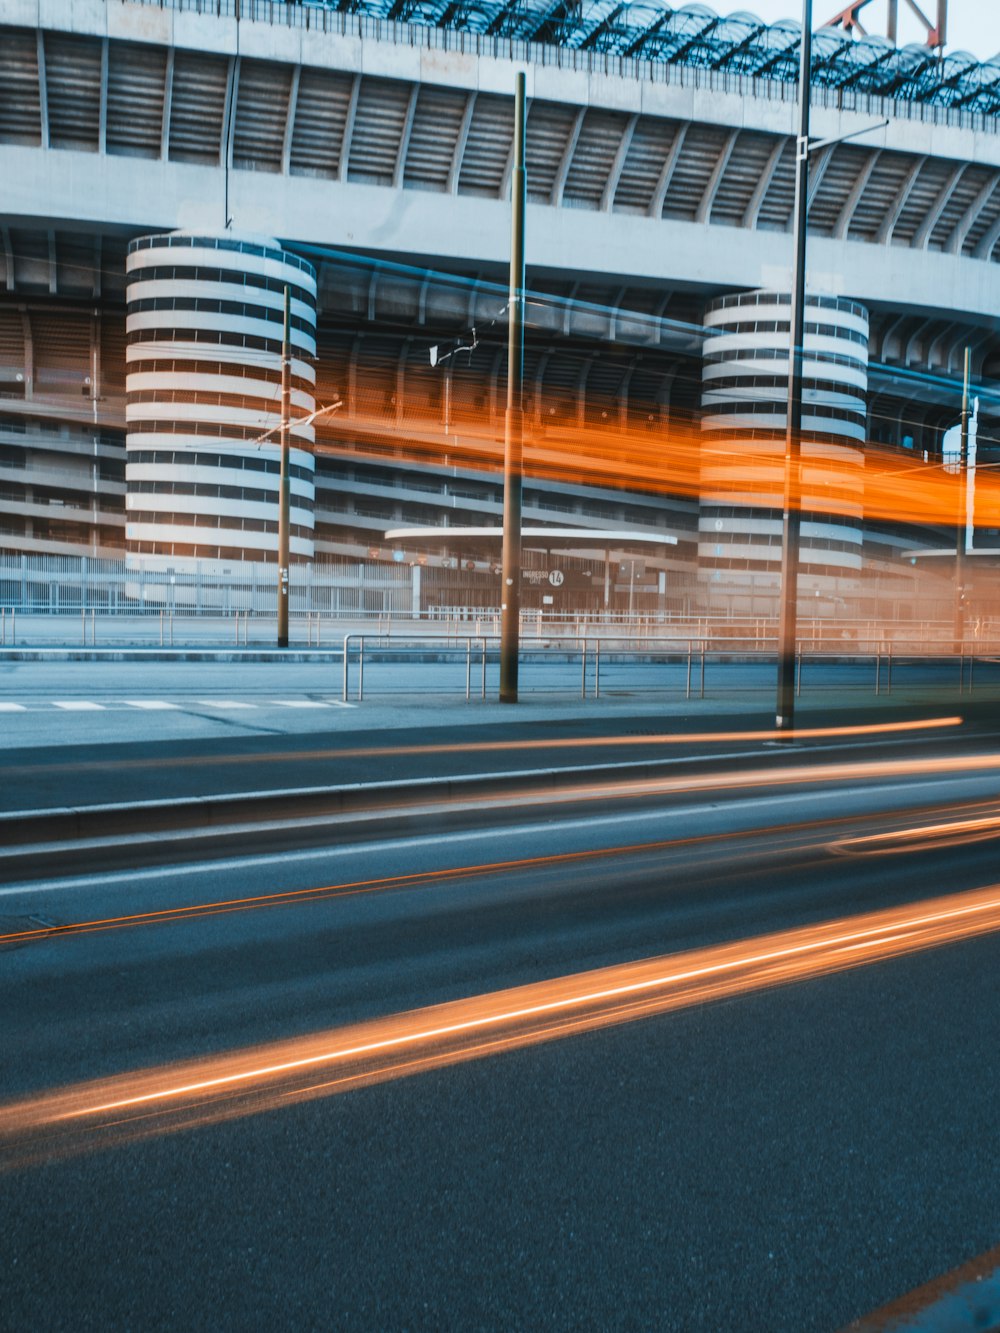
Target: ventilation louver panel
[962, 197]
[136, 87]
[594, 156]
[695, 165]
[985, 219]
[879, 198]
[487, 149]
[649, 390]
[30, 251]
[589, 315]
[113, 250]
[547, 136]
[644, 163]
[397, 298]
[261, 115]
[61, 346]
[933, 177]
[436, 125]
[838, 181]
[75, 257]
[20, 103]
[320, 116]
[73, 81]
[12, 358]
[112, 355]
[197, 107]
[778, 203]
[378, 129]
[747, 164]
[605, 389]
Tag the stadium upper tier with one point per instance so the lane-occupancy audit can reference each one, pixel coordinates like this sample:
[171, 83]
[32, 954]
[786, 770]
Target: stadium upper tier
[328, 128]
[691, 35]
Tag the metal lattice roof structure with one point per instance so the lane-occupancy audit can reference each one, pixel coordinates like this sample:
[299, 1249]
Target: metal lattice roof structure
[694, 35]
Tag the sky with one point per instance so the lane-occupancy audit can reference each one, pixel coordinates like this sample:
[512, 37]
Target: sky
[973, 25]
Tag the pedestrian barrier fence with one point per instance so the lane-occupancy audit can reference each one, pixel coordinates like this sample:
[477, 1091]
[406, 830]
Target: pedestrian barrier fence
[875, 668]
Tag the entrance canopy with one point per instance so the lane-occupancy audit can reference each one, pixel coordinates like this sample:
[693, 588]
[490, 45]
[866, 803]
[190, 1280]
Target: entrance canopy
[602, 538]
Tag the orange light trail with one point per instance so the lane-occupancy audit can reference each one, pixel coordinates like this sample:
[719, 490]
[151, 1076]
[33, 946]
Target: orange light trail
[414, 880]
[246, 1081]
[755, 779]
[675, 458]
[950, 833]
[510, 746]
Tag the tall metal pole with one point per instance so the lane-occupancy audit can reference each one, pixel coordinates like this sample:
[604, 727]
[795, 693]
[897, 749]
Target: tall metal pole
[510, 593]
[962, 515]
[284, 484]
[792, 518]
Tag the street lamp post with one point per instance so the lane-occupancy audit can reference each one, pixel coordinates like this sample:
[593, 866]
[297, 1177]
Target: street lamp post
[284, 483]
[510, 592]
[792, 516]
[961, 523]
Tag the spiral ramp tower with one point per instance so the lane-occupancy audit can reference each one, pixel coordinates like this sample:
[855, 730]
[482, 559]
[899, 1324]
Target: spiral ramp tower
[744, 415]
[204, 329]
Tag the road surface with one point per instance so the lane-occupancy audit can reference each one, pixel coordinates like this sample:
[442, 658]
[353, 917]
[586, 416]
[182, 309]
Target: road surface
[629, 1056]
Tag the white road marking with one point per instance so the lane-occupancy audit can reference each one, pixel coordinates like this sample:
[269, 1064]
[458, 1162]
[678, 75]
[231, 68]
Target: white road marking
[160, 705]
[210, 866]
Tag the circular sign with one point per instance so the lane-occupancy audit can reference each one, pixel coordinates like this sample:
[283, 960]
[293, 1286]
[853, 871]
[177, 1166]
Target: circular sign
[557, 578]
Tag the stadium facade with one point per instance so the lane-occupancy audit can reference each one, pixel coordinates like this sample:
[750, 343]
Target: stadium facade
[169, 169]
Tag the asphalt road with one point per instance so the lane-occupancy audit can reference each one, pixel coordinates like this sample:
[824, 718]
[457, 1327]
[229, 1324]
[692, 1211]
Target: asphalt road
[81, 733]
[786, 1158]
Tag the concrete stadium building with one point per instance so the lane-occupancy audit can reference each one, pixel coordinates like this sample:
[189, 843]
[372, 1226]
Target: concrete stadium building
[169, 168]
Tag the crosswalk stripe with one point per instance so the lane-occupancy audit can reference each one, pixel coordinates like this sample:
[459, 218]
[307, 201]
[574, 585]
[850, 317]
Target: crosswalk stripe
[161, 705]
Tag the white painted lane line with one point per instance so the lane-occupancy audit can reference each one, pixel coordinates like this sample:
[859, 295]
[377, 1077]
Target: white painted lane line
[347, 851]
[78, 705]
[224, 703]
[299, 703]
[150, 704]
[12, 708]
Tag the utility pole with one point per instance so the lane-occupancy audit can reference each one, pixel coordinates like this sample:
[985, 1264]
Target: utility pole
[962, 515]
[284, 484]
[510, 592]
[792, 518]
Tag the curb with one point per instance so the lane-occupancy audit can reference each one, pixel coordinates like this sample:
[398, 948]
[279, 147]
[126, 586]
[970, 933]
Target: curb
[79, 823]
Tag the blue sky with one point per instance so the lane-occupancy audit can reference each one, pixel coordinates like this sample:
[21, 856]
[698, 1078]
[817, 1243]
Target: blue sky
[973, 25]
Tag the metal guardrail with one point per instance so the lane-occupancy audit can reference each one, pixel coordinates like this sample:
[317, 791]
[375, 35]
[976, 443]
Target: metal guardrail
[694, 655]
[449, 647]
